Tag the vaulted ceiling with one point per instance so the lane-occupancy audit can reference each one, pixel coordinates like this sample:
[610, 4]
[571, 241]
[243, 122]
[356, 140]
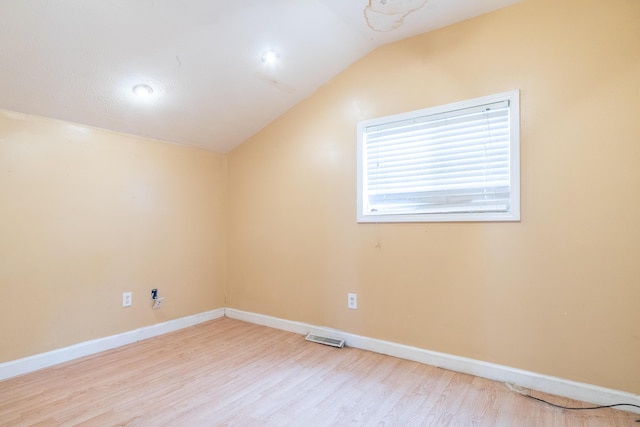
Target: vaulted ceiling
[79, 60]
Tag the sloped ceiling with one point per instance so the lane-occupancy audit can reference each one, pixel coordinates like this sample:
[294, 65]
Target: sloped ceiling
[78, 60]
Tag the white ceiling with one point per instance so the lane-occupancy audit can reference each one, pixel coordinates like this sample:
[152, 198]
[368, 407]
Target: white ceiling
[78, 60]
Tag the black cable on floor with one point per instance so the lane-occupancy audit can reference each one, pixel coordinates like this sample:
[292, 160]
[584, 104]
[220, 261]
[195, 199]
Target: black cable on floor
[584, 408]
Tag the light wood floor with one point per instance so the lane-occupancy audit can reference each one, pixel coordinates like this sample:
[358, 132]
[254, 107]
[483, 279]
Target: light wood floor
[227, 372]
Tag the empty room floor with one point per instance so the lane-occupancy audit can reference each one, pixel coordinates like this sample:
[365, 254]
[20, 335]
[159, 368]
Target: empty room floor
[231, 373]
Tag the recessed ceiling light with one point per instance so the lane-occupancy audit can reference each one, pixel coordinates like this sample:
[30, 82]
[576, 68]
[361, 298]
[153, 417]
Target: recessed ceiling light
[143, 91]
[270, 57]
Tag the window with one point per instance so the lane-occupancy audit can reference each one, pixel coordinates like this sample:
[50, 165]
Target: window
[457, 162]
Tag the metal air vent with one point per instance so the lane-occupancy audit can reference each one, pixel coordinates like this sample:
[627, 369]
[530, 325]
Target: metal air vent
[333, 342]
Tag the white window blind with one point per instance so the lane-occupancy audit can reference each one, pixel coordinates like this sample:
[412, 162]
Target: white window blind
[450, 163]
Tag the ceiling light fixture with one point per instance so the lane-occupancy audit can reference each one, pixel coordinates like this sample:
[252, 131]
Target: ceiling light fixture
[143, 90]
[270, 57]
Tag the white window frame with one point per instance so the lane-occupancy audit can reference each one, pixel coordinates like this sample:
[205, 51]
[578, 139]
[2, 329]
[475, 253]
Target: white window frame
[512, 210]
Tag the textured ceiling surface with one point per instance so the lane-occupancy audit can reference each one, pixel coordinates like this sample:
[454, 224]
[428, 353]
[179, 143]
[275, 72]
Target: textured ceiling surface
[78, 60]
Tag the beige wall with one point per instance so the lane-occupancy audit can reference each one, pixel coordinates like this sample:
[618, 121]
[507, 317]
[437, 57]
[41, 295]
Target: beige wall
[87, 214]
[557, 293]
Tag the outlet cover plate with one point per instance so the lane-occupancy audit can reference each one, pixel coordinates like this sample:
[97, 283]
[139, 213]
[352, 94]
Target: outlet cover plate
[352, 301]
[126, 299]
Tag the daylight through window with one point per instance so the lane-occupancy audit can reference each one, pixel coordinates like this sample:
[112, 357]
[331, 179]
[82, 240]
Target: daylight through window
[457, 162]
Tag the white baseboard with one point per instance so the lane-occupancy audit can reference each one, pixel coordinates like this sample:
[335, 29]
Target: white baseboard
[548, 384]
[25, 365]
[531, 380]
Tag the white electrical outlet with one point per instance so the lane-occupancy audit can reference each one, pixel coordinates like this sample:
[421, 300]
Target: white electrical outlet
[126, 299]
[352, 301]
[157, 303]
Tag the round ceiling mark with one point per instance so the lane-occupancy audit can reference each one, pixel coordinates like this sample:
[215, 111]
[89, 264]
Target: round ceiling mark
[143, 91]
[270, 57]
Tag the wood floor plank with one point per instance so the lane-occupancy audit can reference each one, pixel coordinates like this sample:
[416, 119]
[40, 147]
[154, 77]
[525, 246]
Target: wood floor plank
[231, 373]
